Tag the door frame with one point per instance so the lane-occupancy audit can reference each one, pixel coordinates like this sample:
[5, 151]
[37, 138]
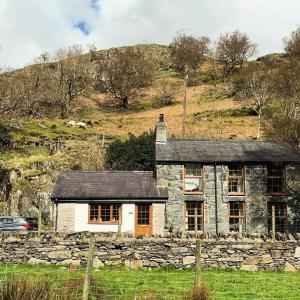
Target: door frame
[150, 217]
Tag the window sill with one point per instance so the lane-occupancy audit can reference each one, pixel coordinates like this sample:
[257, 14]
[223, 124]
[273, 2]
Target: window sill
[193, 193]
[235, 194]
[103, 223]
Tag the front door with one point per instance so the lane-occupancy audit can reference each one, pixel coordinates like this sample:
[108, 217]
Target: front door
[143, 219]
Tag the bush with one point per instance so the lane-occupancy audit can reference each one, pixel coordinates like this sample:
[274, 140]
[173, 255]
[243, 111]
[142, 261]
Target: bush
[136, 153]
[198, 293]
[5, 137]
[166, 90]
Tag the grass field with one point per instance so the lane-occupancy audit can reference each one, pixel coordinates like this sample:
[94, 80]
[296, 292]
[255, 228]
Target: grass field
[121, 283]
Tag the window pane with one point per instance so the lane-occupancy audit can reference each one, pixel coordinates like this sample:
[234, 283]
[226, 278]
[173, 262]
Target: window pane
[192, 184]
[280, 216]
[236, 217]
[115, 216]
[193, 170]
[105, 213]
[94, 212]
[236, 185]
[275, 185]
[143, 214]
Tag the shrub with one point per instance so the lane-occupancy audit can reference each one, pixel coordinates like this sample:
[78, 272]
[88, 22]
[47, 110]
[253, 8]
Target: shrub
[136, 153]
[198, 293]
[5, 137]
[166, 90]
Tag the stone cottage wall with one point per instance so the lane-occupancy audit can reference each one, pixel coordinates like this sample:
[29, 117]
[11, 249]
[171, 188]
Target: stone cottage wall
[255, 197]
[232, 252]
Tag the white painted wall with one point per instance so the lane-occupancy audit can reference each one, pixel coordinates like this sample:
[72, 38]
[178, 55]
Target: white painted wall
[81, 220]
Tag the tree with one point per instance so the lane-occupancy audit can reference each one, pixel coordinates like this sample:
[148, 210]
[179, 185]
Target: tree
[292, 44]
[284, 126]
[255, 86]
[122, 73]
[233, 49]
[5, 137]
[135, 153]
[166, 90]
[188, 52]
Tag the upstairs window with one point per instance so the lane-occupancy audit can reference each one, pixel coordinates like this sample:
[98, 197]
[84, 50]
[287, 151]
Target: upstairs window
[237, 216]
[193, 210]
[193, 178]
[236, 180]
[275, 179]
[104, 213]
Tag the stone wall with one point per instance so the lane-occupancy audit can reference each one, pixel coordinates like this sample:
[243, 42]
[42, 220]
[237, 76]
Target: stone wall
[255, 198]
[232, 252]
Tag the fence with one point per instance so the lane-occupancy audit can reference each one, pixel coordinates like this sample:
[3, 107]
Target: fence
[55, 282]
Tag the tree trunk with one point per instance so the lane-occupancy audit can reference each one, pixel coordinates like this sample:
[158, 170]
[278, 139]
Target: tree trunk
[259, 125]
[184, 104]
[125, 102]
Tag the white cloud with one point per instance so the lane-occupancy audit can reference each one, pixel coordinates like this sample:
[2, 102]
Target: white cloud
[29, 27]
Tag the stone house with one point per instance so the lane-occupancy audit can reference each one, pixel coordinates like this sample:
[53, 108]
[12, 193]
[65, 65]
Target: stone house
[216, 186]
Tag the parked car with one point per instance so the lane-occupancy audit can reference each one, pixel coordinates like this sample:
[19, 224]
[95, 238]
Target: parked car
[10, 223]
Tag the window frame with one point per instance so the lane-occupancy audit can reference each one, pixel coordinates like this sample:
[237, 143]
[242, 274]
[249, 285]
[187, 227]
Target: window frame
[235, 216]
[285, 217]
[237, 177]
[201, 177]
[98, 221]
[283, 178]
[186, 216]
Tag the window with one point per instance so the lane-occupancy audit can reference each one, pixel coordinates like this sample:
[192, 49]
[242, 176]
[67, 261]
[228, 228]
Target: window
[276, 179]
[143, 216]
[280, 216]
[237, 216]
[104, 213]
[236, 180]
[191, 209]
[193, 179]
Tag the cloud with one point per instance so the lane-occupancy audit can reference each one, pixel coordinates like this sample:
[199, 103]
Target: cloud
[33, 26]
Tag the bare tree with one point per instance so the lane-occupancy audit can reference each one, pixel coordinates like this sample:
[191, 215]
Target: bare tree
[292, 44]
[233, 49]
[122, 73]
[284, 126]
[255, 86]
[167, 89]
[188, 52]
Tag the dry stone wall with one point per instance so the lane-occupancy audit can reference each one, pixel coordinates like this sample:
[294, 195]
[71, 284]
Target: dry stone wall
[237, 253]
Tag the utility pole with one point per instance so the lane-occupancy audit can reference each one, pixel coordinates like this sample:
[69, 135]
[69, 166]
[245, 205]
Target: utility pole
[184, 101]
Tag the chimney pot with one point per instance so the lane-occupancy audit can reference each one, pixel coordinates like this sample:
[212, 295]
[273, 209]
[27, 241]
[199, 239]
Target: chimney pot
[161, 118]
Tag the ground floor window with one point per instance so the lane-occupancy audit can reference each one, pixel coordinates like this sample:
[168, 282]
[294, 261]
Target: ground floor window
[104, 213]
[237, 216]
[280, 216]
[193, 210]
[143, 214]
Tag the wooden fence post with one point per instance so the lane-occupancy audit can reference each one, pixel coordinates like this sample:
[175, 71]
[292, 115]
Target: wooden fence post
[198, 264]
[196, 221]
[273, 222]
[120, 221]
[88, 271]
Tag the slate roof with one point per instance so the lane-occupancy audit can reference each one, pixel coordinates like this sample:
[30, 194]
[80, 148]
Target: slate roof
[224, 151]
[110, 185]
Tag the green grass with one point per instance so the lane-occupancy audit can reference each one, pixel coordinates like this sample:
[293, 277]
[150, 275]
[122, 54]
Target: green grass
[121, 283]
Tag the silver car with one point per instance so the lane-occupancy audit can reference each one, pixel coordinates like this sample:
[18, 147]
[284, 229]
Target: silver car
[9, 223]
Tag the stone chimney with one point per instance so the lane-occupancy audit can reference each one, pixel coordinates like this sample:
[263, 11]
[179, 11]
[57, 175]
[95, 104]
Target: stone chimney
[161, 130]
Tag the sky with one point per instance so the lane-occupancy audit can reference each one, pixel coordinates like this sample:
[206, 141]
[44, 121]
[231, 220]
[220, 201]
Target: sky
[31, 27]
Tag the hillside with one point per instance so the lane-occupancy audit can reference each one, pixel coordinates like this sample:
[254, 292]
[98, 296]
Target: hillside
[211, 114]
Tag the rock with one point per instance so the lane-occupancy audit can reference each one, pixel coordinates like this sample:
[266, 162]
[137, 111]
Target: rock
[72, 123]
[243, 247]
[42, 126]
[188, 260]
[70, 262]
[97, 263]
[60, 254]
[266, 259]
[11, 239]
[135, 264]
[251, 260]
[127, 263]
[37, 261]
[250, 268]
[276, 253]
[289, 267]
[179, 250]
[81, 124]
[297, 252]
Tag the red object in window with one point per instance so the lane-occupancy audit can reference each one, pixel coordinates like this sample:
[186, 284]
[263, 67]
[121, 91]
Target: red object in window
[26, 225]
